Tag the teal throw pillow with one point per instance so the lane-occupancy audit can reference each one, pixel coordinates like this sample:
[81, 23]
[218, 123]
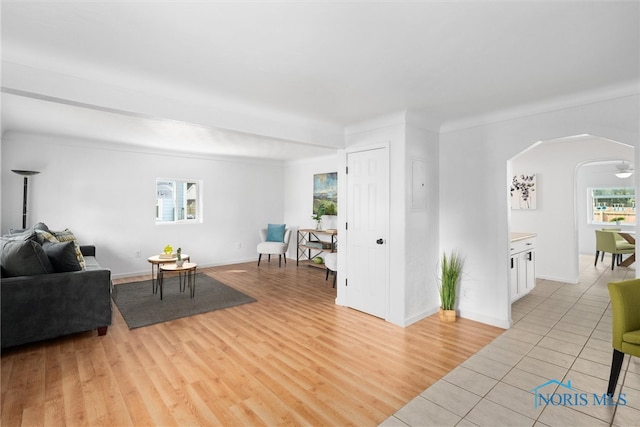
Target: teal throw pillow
[275, 232]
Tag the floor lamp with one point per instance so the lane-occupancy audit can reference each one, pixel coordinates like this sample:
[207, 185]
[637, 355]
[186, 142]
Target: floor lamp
[26, 175]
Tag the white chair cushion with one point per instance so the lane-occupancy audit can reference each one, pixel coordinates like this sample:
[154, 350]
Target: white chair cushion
[331, 261]
[272, 248]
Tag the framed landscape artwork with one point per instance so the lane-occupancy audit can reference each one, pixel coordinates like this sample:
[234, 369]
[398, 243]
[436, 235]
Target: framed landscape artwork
[325, 193]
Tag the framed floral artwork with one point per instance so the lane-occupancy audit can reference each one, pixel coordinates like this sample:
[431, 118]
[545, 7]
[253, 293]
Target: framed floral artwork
[523, 192]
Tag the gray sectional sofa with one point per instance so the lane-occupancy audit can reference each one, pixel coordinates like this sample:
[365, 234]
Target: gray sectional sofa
[51, 288]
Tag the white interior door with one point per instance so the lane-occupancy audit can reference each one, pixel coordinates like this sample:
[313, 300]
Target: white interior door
[367, 231]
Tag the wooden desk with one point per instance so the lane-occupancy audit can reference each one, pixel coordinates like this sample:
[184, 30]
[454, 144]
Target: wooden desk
[629, 236]
[310, 245]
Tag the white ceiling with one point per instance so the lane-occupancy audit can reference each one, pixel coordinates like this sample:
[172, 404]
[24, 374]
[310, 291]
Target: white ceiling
[332, 62]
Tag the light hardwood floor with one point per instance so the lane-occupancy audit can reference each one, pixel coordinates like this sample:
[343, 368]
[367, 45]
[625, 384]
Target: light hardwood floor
[292, 358]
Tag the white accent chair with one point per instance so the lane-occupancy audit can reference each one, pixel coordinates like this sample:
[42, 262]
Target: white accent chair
[331, 262]
[273, 248]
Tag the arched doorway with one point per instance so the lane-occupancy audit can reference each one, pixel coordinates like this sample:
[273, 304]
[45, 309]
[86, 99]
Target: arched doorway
[560, 217]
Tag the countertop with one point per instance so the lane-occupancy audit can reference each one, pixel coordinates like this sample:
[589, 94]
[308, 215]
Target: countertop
[521, 236]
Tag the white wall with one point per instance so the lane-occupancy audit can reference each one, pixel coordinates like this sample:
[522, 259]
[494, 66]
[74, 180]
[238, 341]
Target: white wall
[412, 244]
[422, 246]
[474, 198]
[298, 195]
[557, 194]
[106, 196]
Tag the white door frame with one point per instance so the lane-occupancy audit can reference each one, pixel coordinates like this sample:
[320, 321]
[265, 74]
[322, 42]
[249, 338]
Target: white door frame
[341, 298]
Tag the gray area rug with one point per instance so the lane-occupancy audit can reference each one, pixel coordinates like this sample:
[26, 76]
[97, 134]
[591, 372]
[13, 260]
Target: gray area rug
[140, 307]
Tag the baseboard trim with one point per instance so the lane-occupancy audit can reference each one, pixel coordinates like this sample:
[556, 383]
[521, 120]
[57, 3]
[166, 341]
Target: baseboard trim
[500, 323]
[572, 281]
[215, 264]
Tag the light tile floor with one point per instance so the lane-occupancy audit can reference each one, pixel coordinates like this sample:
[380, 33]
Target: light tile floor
[561, 332]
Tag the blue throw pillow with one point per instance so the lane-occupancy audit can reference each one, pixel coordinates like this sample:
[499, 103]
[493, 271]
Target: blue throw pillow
[275, 232]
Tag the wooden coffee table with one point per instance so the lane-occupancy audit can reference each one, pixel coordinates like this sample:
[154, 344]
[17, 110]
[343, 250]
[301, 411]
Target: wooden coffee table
[155, 262]
[186, 276]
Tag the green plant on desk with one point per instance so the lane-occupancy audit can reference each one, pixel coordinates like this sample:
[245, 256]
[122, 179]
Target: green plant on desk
[317, 216]
[179, 260]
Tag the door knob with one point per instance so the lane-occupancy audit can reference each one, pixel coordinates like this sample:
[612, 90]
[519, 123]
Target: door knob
[380, 241]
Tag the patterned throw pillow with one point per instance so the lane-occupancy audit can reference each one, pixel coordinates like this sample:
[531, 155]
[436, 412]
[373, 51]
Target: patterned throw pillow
[45, 236]
[68, 236]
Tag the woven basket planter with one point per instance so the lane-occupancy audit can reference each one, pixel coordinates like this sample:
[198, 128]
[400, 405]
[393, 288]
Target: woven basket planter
[447, 316]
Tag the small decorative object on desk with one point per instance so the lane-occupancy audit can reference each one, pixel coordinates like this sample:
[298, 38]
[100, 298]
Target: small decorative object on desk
[317, 216]
[179, 261]
[168, 252]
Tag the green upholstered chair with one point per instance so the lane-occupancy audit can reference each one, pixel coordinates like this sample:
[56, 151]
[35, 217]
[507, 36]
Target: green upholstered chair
[621, 242]
[619, 238]
[606, 242]
[625, 304]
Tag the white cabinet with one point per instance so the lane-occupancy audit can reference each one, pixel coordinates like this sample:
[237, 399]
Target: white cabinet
[522, 266]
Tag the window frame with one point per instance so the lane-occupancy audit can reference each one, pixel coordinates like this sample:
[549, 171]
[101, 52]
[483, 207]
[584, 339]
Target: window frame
[592, 201]
[182, 204]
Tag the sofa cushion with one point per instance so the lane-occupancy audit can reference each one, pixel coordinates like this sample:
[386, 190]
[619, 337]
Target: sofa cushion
[23, 258]
[23, 235]
[42, 226]
[62, 256]
[68, 236]
[91, 263]
[17, 230]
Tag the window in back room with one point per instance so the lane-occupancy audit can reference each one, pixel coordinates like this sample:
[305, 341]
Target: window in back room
[612, 205]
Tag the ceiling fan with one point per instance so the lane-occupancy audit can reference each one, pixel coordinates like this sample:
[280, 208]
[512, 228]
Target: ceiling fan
[624, 170]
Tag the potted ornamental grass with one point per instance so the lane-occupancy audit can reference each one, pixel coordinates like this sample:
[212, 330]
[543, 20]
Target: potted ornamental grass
[450, 270]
